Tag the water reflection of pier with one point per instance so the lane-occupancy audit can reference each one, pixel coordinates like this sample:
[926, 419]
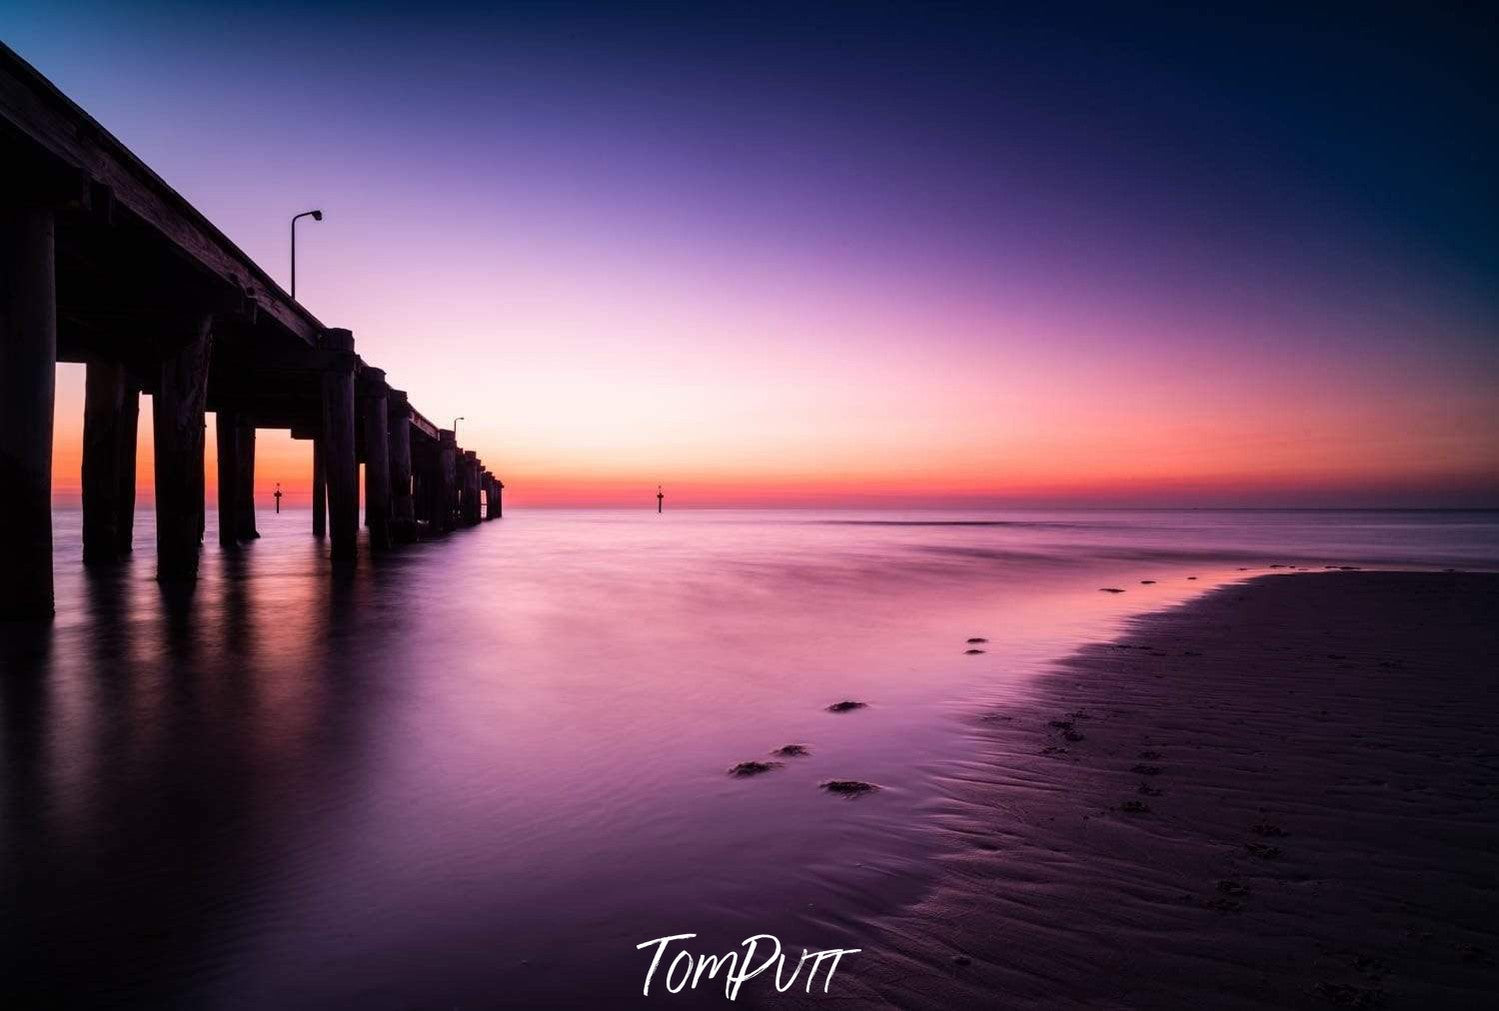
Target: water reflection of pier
[103, 263]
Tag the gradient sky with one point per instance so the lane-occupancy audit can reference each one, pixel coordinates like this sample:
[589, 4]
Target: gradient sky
[858, 253]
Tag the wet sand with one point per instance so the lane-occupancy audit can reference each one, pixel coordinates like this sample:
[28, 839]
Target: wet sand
[1283, 794]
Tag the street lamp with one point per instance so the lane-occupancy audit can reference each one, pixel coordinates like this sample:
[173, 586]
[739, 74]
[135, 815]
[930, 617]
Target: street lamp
[316, 216]
[455, 428]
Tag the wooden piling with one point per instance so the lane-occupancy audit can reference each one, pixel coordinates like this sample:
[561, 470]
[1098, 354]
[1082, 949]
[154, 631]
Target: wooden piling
[103, 442]
[244, 506]
[447, 477]
[376, 456]
[226, 431]
[129, 428]
[177, 417]
[319, 489]
[470, 488]
[494, 497]
[402, 500]
[28, 376]
[339, 462]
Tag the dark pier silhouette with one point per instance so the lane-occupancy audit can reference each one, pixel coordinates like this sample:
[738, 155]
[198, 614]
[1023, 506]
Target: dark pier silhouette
[103, 263]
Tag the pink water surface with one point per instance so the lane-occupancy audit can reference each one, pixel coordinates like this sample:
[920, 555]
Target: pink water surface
[478, 772]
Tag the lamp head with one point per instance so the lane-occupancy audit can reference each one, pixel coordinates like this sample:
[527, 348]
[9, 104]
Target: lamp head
[317, 215]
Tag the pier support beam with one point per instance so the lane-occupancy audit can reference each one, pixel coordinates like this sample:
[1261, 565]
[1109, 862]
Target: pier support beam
[339, 463]
[492, 497]
[402, 502]
[28, 377]
[177, 416]
[499, 499]
[463, 492]
[470, 488]
[244, 481]
[447, 476]
[226, 430]
[376, 457]
[106, 390]
[319, 489]
[129, 426]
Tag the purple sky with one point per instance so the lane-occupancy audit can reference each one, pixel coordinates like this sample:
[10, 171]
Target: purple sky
[873, 254]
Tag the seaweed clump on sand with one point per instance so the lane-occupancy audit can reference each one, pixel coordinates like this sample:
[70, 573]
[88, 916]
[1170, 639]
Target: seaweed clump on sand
[792, 751]
[753, 768]
[846, 706]
[849, 787]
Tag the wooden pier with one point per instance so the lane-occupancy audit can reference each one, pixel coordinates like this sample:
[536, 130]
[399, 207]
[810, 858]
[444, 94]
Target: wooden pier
[103, 263]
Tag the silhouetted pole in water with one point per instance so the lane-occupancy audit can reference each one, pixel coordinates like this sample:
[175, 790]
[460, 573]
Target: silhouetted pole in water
[277, 497]
[341, 468]
[230, 474]
[659, 497]
[28, 359]
[447, 478]
[319, 489]
[376, 456]
[245, 481]
[177, 407]
[402, 504]
[109, 416]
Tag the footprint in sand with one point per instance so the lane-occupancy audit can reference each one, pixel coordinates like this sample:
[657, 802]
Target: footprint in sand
[1346, 995]
[848, 787]
[1223, 904]
[753, 768]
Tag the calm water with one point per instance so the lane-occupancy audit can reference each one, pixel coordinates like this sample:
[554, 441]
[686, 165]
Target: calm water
[478, 772]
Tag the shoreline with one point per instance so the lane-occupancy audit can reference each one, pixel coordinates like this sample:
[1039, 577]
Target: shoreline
[1273, 795]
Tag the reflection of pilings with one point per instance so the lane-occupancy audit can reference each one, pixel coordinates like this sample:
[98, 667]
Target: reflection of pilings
[376, 456]
[402, 504]
[28, 357]
[104, 426]
[339, 463]
[177, 417]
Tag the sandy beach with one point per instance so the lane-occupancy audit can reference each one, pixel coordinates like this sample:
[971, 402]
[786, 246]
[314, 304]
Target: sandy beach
[1277, 795]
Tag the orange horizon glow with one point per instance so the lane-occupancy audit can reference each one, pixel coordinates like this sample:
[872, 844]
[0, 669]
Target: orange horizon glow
[1153, 461]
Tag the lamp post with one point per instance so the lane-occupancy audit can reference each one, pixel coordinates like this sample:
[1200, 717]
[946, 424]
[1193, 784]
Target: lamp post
[455, 427]
[316, 216]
